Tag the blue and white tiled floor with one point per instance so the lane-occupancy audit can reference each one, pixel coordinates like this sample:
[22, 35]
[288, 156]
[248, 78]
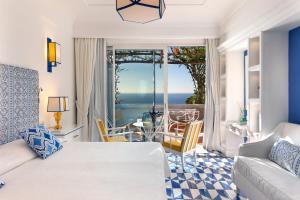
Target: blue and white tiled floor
[210, 179]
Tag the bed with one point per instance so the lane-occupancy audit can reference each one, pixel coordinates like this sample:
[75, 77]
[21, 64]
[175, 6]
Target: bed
[80, 171]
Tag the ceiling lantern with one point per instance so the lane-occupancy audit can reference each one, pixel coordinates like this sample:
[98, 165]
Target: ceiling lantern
[141, 11]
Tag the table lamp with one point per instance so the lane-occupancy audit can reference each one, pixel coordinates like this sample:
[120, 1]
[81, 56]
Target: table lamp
[58, 105]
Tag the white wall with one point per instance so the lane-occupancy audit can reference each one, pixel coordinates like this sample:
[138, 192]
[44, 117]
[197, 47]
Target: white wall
[235, 84]
[25, 25]
[274, 87]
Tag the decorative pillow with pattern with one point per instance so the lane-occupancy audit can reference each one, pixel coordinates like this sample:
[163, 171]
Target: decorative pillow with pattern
[2, 183]
[286, 155]
[42, 141]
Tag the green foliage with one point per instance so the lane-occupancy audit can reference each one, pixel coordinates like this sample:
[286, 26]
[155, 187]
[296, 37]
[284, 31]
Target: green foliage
[191, 99]
[193, 58]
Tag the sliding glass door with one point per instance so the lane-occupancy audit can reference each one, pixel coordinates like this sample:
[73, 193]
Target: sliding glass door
[167, 80]
[186, 86]
[138, 85]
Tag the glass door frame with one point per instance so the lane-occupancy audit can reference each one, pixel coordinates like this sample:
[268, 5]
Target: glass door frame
[164, 48]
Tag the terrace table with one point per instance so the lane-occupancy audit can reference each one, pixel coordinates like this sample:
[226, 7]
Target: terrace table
[147, 130]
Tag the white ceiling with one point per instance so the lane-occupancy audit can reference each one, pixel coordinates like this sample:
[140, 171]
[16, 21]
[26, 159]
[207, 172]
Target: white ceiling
[289, 24]
[182, 18]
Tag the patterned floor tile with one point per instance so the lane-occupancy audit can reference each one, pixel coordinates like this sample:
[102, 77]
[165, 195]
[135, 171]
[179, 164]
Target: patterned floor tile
[210, 179]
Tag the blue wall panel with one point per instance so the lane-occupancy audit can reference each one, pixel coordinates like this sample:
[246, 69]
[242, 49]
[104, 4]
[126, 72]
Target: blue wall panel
[294, 76]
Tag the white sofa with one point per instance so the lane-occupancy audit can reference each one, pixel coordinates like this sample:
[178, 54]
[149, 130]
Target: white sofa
[261, 179]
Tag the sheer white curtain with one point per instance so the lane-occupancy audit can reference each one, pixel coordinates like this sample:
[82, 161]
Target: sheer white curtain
[85, 59]
[98, 100]
[90, 63]
[212, 135]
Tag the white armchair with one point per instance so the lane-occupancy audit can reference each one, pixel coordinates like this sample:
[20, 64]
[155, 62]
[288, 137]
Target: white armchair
[261, 179]
[259, 149]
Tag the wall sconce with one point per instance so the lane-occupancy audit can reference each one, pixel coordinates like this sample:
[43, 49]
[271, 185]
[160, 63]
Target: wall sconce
[53, 51]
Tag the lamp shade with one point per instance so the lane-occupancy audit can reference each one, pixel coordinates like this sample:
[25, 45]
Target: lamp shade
[58, 104]
[54, 55]
[141, 11]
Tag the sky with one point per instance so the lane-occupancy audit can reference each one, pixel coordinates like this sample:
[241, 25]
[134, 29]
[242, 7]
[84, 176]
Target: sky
[138, 78]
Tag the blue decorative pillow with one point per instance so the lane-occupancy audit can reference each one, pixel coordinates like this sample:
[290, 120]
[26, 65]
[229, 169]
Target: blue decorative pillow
[41, 140]
[286, 155]
[2, 183]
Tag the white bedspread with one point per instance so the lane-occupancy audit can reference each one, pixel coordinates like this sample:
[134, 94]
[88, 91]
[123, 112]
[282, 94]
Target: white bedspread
[91, 171]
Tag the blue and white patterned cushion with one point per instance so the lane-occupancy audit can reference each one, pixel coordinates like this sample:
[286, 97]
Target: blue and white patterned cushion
[2, 183]
[42, 141]
[286, 155]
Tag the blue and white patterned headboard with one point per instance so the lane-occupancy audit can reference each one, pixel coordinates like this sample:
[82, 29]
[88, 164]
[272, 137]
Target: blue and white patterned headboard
[19, 101]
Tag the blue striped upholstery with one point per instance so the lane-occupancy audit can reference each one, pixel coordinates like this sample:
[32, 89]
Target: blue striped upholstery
[41, 140]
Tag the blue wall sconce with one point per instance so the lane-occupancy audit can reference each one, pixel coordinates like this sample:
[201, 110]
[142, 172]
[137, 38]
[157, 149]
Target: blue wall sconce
[53, 54]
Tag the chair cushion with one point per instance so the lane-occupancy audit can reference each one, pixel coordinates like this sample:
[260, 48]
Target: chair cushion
[174, 144]
[41, 141]
[117, 139]
[272, 180]
[286, 155]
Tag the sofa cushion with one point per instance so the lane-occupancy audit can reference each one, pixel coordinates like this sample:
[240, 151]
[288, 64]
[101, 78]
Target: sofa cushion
[290, 132]
[286, 155]
[272, 180]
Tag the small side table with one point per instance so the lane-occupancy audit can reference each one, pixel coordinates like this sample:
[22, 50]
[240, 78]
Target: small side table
[146, 130]
[71, 133]
[235, 137]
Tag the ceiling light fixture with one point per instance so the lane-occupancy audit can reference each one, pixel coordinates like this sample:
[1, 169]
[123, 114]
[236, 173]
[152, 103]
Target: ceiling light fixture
[140, 11]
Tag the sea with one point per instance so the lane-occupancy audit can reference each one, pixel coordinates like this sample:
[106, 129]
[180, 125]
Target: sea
[137, 106]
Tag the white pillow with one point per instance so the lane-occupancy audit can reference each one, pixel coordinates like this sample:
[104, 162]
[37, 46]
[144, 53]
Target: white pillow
[14, 154]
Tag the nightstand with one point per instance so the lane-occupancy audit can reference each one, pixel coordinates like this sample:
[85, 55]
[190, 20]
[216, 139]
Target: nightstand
[71, 133]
